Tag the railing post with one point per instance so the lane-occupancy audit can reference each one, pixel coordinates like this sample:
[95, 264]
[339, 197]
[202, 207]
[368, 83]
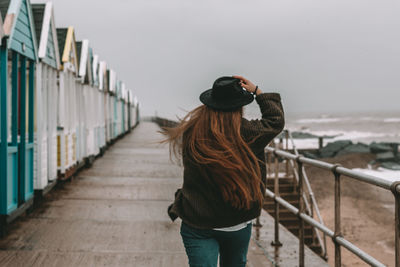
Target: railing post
[287, 149]
[301, 211]
[312, 216]
[338, 256]
[276, 241]
[320, 142]
[395, 188]
[269, 164]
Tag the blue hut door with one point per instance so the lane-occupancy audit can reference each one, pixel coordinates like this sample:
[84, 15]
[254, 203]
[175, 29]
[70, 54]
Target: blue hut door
[8, 134]
[26, 142]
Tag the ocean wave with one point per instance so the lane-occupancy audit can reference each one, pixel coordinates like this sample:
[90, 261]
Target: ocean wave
[391, 120]
[341, 135]
[320, 120]
[355, 136]
[382, 173]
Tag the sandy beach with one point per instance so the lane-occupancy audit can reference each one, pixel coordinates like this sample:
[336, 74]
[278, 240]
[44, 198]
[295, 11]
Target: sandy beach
[367, 212]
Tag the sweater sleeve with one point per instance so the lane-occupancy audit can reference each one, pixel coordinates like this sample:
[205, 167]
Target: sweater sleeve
[261, 131]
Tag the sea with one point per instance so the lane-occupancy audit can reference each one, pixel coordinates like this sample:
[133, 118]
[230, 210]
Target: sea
[364, 127]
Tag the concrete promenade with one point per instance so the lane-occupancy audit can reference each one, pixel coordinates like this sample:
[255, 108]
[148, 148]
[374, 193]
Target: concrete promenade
[114, 214]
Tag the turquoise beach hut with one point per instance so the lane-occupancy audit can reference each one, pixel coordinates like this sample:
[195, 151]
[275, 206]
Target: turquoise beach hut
[45, 175]
[18, 57]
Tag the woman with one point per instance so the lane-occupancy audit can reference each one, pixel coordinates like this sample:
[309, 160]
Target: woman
[224, 170]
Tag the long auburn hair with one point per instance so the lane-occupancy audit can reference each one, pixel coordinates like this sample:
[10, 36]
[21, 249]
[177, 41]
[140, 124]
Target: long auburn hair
[212, 139]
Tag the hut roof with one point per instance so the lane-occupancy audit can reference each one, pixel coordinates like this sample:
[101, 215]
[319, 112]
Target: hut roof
[61, 36]
[38, 15]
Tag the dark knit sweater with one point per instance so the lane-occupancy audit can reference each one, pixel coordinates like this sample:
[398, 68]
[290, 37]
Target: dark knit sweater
[199, 203]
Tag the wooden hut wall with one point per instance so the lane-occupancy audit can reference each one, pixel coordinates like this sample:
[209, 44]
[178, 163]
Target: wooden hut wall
[105, 92]
[46, 96]
[109, 102]
[68, 115]
[53, 116]
[125, 110]
[89, 103]
[101, 105]
[18, 55]
[80, 129]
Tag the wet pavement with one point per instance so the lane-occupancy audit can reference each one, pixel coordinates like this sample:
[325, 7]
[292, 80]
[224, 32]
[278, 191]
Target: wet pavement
[114, 214]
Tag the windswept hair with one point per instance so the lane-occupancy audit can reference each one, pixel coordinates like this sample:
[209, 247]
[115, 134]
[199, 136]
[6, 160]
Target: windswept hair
[212, 139]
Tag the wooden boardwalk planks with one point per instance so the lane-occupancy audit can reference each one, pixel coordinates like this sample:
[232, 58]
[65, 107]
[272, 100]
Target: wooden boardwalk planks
[113, 214]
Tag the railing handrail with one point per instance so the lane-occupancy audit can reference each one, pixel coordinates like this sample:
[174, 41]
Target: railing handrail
[311, 193]
[345, 243]
[336, 235]
[341, 170]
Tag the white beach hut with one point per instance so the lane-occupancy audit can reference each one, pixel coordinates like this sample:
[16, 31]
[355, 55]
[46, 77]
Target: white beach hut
[45, 174]
[103, 87]
[67, 115]
[112, 81]
[86, 124]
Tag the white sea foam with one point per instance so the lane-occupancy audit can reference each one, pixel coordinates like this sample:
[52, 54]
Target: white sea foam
[355, 136]
[386, 174]
[320, 120]
[368, 119]
[308, 143]
[391, 120]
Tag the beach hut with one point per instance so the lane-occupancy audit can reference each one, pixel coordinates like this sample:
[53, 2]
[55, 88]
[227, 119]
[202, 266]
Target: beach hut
[117, 110]
[137, 111]
[98, 98]
[103, 87]
[45, 175]
[84, 78]
[108, 110]
[67, 113]
[123, 109]
[132, 110]
[126, 110]
[18, 55]
[85, 55]
[130, 104]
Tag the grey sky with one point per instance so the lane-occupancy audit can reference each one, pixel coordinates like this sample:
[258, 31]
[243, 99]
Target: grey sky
[332, 55]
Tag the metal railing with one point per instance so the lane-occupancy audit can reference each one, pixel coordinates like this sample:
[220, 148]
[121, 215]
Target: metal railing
[162, 122]
[336, 234]
[310, 204]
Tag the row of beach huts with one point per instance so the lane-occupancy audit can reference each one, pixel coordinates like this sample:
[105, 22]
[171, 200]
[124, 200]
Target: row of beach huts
[60, 105]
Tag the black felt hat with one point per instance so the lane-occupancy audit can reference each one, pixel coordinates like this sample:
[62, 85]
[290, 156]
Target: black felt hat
[226, 94]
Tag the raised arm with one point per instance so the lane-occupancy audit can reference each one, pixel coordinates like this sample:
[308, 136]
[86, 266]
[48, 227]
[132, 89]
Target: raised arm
[264, 130]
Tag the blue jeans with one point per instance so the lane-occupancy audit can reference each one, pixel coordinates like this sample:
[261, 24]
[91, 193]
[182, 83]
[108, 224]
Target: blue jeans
[203, 246]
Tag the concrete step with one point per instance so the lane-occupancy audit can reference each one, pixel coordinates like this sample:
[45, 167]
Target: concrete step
[284, 180]
[288, 196]
[269, 205]
[283, 214]
[284, 188]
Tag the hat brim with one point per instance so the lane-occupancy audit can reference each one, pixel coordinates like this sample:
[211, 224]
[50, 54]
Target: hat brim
[207, 99]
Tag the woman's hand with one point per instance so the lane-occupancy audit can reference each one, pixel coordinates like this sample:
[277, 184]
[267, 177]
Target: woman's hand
[248, 85]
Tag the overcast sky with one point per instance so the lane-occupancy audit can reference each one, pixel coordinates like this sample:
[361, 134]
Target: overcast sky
[322, 56]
